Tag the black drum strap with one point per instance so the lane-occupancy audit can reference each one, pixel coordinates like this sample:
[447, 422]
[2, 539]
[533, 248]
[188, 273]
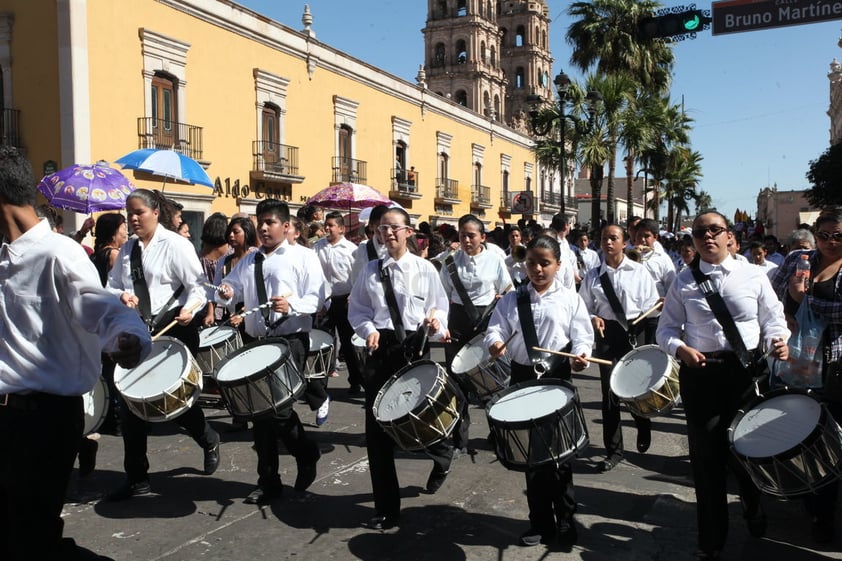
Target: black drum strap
[723, 316]
[391, 302]
[467, 304]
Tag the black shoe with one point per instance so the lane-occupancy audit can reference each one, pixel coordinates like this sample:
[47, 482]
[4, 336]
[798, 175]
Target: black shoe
[436, 479]
[129, 490]
[644, 439]
[608, 463]
[566, 533]
[533, 537]
[703, 555]
[382, 523]
[822, 530]
[306, 474]
[755, 517]
[355, 389]
[261, 496]
[211, 459]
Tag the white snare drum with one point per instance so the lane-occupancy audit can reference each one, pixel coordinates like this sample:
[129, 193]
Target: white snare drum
[216, 343]
[646, 380]
[163, 386]
[320, 355]
[259, 378]
[788, 443]
[418, 406]
[95, 406]
[536, 423]
[473, 363]
[360, 350]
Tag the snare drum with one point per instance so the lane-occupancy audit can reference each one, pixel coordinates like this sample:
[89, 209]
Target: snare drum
[473, 363]
[646, 380]
[95, 406]
[536, 423]
[163, 386]
[215, 343]
[320, 355]
[418, 406]
[259, 378]
[788, 443]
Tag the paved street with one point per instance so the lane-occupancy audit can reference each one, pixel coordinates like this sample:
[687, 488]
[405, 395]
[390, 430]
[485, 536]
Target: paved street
[641, 510]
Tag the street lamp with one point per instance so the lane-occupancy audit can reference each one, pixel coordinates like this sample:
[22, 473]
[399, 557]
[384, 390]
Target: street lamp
[562, 84]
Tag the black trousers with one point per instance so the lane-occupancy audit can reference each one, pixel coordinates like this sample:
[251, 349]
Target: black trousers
[613, 346]
[711, 397]
[379, 368]
[822, 503]
[337, 317]
[284, 425]
[135, 461]
[549, 490]
[38, 442]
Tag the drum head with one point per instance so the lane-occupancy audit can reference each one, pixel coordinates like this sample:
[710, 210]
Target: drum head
[95, 406]
[639, 371]
[216, 335]
[531, 402]
[406, 390]
[251, 359]
[164, 366]
[470, 356]
[776, 425]
[320, 340]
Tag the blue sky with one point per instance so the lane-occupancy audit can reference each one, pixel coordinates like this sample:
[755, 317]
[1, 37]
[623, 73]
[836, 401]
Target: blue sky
[759, 99]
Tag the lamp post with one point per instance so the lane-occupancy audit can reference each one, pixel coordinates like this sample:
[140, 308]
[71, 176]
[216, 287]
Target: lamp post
[562, 84]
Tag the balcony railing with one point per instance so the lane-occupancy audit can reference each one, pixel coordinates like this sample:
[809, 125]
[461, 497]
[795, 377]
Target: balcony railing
[551, 198]
[349, 170]
[10, 128]
[274, 158]
[160, 133]
[505, 200]
[481, 195]
[405, 180]
[447, 188]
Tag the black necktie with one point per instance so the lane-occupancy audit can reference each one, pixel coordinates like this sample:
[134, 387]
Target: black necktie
[260, 284]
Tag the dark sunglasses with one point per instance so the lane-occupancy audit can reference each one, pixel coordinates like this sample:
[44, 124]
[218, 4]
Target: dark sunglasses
[825, 236]
[712, 230]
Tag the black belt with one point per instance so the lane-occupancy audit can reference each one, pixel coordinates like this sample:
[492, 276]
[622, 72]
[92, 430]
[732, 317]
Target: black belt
[31, 401]
[726, 354]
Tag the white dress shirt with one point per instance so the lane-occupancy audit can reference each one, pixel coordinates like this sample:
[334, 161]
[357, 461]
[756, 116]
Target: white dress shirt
[560, 317]
[517, 269]
[590, 259]
[632, 284]
[361, 257]
[56, 316]
[748, 294]
[662, 269]
[418, 291]
[483, 275]
[292, 271]
[337, 260]
[169, 261]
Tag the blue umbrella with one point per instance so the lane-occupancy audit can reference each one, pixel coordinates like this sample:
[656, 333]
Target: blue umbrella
[166, 163]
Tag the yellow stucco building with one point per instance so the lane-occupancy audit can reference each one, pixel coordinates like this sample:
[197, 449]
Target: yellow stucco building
[267, 109]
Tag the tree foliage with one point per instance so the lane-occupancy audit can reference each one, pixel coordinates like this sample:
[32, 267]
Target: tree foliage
[825, 175]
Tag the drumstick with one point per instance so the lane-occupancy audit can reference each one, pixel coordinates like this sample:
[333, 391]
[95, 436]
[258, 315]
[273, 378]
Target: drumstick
[191, 309]
[571, 355]
[255, 309]
[425, 333]
[213, 286]
[506, 342]
[651, 310]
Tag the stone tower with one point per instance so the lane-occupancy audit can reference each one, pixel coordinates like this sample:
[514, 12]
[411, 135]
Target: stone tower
[489, 55]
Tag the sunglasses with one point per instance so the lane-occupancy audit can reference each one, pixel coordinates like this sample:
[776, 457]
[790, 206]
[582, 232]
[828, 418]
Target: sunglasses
[714, 231]
[826, 236]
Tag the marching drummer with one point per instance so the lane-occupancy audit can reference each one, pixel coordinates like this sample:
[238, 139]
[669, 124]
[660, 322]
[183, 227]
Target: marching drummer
[472, 278]
[396, 305]
[713, 376]
[159, 274]
[279, 273]
[554, 317]
[616, 294]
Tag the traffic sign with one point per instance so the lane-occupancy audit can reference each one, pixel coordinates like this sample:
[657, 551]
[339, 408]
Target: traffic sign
[523, 203]
[733, 16]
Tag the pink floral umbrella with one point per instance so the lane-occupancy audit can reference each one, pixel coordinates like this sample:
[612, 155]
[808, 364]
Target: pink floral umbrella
[348, 196]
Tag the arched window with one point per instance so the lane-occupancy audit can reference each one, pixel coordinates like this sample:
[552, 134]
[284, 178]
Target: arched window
[503, 32]
[461, 52]
[438, 57]
[493, 56]
[461, 98]
[537, 34]
[488, 11]
[477, 174]
[544, 39]
[443, 166]
[400, 162]
[496, 107]
[486, 104]
[520, 80]
[345, 153]
[545, 79]
[461, 8]
[520, 36]
[482, 53]
[442, 8]
[164, 111]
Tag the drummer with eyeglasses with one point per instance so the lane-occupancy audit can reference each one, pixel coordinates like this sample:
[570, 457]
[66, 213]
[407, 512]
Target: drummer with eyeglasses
[395, 334]
[278, 273]
[561, 321]
[714, 379]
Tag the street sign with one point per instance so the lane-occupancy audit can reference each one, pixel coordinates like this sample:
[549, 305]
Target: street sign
[523, 203]
[734, 16]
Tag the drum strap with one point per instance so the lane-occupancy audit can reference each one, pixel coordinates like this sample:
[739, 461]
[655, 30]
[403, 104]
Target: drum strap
[616, 306]
[467, 304]
[723, 316]
[260, 285]
[369, 249]
[141, 290]
[391, 302]
[527, 328]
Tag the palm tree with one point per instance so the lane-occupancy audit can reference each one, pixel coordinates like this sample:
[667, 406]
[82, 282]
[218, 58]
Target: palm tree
[640, 123]
[592, 154]
[683, 175]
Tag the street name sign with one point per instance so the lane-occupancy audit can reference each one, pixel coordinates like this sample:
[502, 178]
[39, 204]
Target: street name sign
[734, 16]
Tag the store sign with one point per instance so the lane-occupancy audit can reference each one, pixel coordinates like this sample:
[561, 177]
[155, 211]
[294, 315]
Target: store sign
[226, 189]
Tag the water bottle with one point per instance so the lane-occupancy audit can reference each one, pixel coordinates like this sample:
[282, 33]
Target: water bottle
[802, 268]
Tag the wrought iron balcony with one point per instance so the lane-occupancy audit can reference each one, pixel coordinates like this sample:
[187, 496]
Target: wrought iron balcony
[480, 196]
[447, 190]
[505, 200]
[551, 198]
[273, 158]
[349, 170]
[10, 128]
[160, 133]
[404, 184]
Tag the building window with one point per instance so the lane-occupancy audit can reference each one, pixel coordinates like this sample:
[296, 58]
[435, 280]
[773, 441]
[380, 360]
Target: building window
[442, 8]
[461, 52]
[271, 135]
[497, 107]
[482, 53]
[477, 173]
[462, 98]
[493, 57]
[438, 57]
[503, 32]
[519, 78]
[520, 36]
[164, 111]
[345, 144]
[443, 165]
[461, 8]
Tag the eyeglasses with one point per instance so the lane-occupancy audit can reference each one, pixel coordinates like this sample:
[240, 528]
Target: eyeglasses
[714, 231]
[825, 236]
[394, 228]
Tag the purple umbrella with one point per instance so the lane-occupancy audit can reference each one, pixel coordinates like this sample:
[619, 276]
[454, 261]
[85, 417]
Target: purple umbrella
[86, 188]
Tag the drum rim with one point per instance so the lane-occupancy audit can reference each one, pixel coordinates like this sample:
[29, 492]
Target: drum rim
[526, 423]
[100, 419]
[285, 354]
[814, 435]
[403, 370]
[670, 361]
[216, 328]
[160, 340]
